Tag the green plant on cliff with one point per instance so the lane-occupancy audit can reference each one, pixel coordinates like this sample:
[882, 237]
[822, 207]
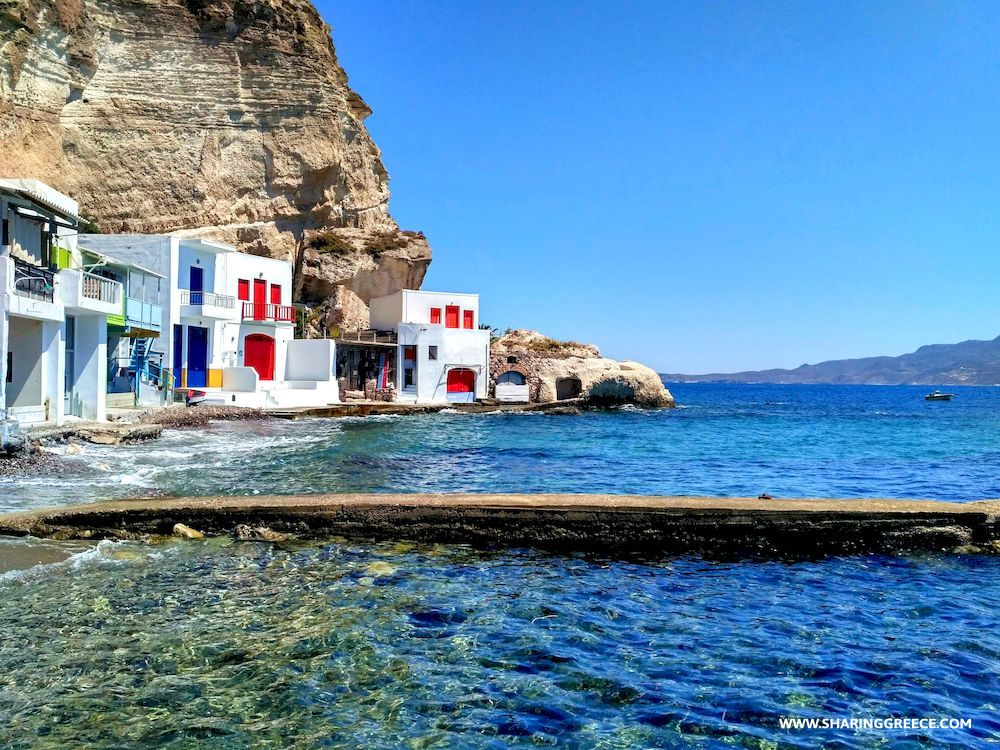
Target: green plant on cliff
[383, 242]
[328, 242]
[545, 344]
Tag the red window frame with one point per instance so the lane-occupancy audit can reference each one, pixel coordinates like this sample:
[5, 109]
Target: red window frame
[451, 316]
[468, 319]
[243, 287]
[436, 315]
[410, 353]
[275, 294]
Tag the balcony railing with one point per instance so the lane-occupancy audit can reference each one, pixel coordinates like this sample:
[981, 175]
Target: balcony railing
[208, 298]
[369, 337]
[263, 311]
[32, 281]
[143, 315]
[101, 289]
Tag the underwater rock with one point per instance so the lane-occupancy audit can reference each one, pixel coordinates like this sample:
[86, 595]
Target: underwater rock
[186, 532]
[247, 533]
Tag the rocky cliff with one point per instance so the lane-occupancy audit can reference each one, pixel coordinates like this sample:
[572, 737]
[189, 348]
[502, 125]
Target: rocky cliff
[229, 119]
[557, 370]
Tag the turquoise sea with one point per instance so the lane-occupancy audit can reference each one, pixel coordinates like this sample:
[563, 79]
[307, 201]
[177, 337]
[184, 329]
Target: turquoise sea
[227, 644]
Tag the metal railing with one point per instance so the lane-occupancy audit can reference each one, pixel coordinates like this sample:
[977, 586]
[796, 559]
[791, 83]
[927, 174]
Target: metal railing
[267, 311]
[369, 337]
[208, 298]
[155, 375]
[34, 282]
[100, 288]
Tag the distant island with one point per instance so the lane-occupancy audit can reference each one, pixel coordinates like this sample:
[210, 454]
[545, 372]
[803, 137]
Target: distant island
[967, 363]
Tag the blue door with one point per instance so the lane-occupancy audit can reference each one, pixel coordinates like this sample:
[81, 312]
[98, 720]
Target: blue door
[197, 284]
[197, 364]
[178, 353]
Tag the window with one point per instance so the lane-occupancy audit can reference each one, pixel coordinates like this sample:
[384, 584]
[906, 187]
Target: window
[244, 290]
[432, 352]
[410, 352]
[436, 315]
[451, 316]
[6, 233]
[275, 294]
[468, 318]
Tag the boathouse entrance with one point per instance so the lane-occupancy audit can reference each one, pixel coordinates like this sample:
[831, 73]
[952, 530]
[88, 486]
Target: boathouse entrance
[567, 388]
[461, 385]
[258, 353]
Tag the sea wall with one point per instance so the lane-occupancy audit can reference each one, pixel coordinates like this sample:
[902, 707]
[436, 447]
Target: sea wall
[607, 523]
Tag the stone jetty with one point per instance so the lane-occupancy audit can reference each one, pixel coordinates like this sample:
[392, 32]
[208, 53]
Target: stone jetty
[604, 523]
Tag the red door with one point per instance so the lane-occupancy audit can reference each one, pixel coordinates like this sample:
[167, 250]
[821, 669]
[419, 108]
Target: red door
[258, 353]
[468, 318]
[461, 381]
[451, 316]
[259, 299]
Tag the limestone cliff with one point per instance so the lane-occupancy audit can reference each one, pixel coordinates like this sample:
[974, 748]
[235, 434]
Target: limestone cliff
[228, 119]
[566, 369]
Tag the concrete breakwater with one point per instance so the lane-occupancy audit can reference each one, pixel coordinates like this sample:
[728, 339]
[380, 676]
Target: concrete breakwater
[607, 523]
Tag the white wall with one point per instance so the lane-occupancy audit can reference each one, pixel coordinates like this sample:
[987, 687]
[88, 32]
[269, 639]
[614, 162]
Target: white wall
[90, 366]
[241, 379]
[25, 342]
[411, 306]
[311, 359]
[456, 348]
[385, 313]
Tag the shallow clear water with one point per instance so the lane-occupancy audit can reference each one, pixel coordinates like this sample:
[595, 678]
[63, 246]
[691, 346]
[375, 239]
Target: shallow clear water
[229, 645]
[789, 441]
[233, 645]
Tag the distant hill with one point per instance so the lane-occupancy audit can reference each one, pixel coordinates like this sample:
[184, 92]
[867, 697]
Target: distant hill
[967, 363]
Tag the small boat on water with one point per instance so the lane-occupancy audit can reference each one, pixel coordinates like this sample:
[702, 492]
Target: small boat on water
[939, 396]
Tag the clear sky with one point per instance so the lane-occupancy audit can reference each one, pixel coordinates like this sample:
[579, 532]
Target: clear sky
[702, 186]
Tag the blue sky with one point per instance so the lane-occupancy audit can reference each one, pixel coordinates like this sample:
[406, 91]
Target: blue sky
[703, 186]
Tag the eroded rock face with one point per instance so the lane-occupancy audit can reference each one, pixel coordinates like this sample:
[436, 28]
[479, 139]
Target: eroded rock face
[228, 119]
[557, 370]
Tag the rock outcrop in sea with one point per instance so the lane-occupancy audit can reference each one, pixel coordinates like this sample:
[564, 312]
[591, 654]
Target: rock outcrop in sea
[230, 119]
[562, 370]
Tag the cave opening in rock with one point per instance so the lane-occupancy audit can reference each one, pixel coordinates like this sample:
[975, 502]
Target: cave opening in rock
[567, 388]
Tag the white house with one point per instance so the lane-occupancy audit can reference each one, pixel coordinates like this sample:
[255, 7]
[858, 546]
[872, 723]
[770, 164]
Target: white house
[443, 354]
[54, 326]
[228, 322]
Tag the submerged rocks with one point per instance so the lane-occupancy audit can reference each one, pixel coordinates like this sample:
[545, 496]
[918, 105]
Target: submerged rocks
[564, 370]
[246, 533]
[186, 532]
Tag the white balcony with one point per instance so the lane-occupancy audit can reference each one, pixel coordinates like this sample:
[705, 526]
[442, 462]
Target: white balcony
[208, 305]
[82, 292]
[31, 291]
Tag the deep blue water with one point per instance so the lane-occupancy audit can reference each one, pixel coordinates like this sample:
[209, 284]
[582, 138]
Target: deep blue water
[788, 441]
[222, 644]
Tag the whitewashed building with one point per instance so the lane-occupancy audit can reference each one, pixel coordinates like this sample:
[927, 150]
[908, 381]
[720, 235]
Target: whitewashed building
[441, 351]
[228, 322]
[53, 331]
